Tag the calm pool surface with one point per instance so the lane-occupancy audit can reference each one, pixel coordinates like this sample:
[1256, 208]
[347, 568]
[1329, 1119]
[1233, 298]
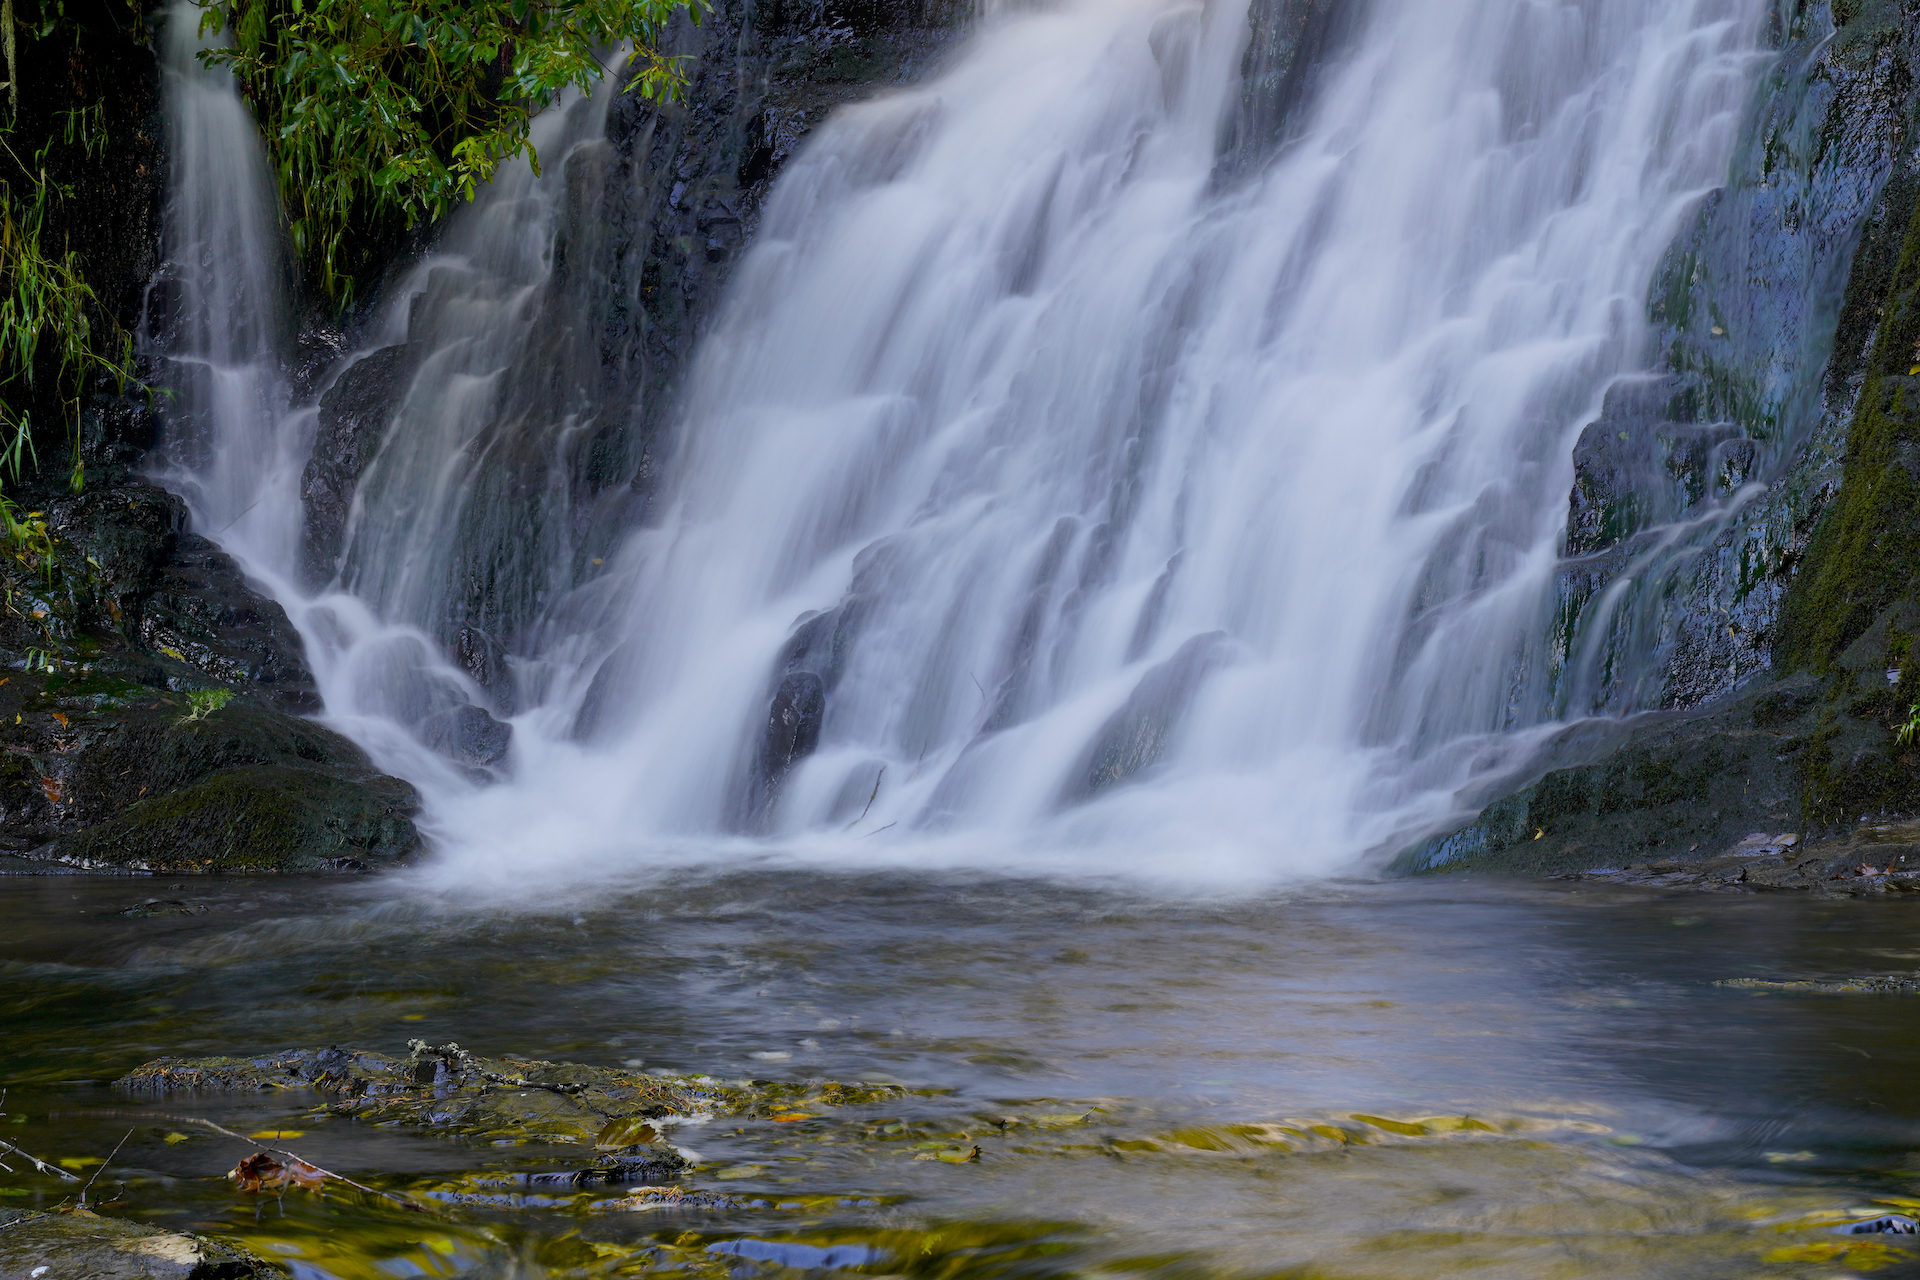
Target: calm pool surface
[1550, 1081]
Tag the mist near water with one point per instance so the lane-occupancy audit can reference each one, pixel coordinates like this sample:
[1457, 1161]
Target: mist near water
[1049, 495]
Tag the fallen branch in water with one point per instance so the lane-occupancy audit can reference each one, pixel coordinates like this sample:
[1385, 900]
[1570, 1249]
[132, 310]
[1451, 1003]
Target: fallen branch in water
[404, 1202]
[7, 1148]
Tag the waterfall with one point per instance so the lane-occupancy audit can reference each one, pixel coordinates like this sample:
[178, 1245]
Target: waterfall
[1049, 494]
[215, 322]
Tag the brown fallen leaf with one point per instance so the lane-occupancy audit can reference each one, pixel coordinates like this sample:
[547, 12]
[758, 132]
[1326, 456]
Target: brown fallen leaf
[625, 1131]
[261, 1172]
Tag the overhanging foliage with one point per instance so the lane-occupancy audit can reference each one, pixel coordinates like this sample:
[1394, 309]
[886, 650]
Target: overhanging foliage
[379, 112]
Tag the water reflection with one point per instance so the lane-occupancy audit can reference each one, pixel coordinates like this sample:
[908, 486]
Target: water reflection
[1639, 1120]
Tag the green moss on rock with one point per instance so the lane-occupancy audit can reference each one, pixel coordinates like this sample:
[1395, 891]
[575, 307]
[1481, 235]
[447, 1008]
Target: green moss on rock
[1865, 552]
[99, 772]
[256, 818]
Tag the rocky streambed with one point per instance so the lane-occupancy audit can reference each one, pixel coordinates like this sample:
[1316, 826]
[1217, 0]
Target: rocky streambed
[625, 1131]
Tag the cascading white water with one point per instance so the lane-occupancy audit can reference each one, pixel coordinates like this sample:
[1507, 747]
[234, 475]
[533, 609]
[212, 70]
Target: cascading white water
[217, 310]
[1127, 522]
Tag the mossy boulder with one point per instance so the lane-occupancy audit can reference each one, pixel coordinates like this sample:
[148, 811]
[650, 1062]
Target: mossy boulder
[103, 773]
[256, 818]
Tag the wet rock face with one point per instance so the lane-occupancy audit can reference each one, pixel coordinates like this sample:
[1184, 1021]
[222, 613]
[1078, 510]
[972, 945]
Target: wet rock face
[129, 577]
[354, 413]
[1703, 482]
[1288, 43]
[85, 1244]
[793, 731]
[469, 736]
[1137, 735]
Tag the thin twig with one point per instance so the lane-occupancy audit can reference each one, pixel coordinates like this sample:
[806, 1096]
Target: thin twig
[236, 520]
[876, 791]
[39, 1164]
[278, 1151]
[877, 830]
[103, 1165]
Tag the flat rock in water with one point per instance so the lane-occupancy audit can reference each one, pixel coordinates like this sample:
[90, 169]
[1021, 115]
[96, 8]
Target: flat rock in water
[1869, 862]
[1869, 984]
[85, 1244]
[452, 1091]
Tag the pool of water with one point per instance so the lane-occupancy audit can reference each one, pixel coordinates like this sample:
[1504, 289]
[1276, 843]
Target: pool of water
[1398, 1079]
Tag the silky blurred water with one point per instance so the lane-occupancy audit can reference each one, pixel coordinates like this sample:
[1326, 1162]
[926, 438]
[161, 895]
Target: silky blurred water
[1072, 499]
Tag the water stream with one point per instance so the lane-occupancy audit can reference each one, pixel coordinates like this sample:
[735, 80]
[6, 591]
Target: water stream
[1044, 496]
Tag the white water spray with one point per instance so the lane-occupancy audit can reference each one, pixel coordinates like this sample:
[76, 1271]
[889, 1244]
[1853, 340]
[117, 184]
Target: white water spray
[1065, 508]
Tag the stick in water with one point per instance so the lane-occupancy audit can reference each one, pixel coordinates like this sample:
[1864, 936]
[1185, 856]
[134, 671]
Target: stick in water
[103, 1165]
[41, 1165]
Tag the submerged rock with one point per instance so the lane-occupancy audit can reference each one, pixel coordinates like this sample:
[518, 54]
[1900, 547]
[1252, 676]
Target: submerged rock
[58, 1246]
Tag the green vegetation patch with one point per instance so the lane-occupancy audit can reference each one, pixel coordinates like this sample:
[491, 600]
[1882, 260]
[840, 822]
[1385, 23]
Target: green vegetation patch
[383, 112]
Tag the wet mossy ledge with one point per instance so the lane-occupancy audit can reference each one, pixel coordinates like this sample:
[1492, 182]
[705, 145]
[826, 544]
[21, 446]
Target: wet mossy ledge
[1813, 768]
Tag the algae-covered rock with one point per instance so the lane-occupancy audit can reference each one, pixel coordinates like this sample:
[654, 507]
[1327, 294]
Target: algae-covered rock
[1904, 984]
[59, 1246]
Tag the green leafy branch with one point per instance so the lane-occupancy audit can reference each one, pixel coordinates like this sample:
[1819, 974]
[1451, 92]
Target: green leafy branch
[56, 339]
[385, 111]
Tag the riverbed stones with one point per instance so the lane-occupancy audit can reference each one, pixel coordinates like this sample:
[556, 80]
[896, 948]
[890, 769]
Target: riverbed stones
[77, 1244]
